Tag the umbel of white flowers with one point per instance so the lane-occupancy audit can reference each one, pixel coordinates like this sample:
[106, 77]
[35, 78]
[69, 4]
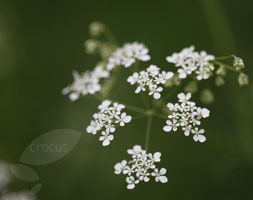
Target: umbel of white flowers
[189, 61]
[109, 116]
[89, 82]
[127, 55]
[86, 83]
[150, 79]
[141, 167]
[186, 115]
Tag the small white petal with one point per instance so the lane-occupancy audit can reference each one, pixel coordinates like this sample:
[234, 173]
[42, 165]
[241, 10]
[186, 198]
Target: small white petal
[163, 179]
[167, 128]
[157, 95]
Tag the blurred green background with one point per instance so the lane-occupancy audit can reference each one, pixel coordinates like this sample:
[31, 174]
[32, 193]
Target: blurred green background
[40, 45]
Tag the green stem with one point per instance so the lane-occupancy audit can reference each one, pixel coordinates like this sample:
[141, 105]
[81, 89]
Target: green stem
[110, 37]
[225, 65]
[160, 116]
[148, 132]
[138, 117]
[135, 109]
[224, 57]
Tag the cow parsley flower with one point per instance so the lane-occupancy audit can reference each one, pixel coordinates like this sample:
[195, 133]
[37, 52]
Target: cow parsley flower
[128, 55]
[141, 168]
[109, 116]
[189, 61]
[150, 79]
[187, 115]
[86, 83]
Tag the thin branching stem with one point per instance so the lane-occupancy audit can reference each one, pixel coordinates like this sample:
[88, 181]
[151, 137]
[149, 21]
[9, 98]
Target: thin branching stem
[135, 109]
[148, 132]
[160, 116]
[225, 65]
[224, 57]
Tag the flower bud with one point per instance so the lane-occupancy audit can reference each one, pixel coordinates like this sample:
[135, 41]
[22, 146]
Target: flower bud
[191, 87]
[221, 71]
[209, 67]
[207, 96]
[96, 29]
[243, 79]
[91, 46]
[238, 63]
[219, 81]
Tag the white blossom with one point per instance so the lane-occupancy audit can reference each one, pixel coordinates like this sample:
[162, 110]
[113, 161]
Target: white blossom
[159, 175]
[150, 79]
[198, 135]
[188, 61]
[186, 115]
[86, 83]
[106, 120]
[141, 167]
[106, 137]
[128, 55]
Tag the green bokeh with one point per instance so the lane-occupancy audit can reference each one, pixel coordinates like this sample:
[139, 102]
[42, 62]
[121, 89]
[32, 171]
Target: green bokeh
[40, 45]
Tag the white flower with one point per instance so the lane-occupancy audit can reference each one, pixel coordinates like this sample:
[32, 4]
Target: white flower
[171, 125]
[141, 167]
[131, 182]
[186, 115]
[128, 55]
[184, 98]
[106, 137]
[123, 118]
[85, 83]
[198, 135]
[119, 167]
[159, 175]
[105, 120]
[157, 157]
[133, 79]
[93, 127]
[135, 151]
[151, 80]
[189, 61]
[155, 91]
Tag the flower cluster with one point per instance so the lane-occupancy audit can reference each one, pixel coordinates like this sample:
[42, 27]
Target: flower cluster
[186, 115]
[127, 55]
[150, 79]
[141, 167]
[189, 61]
[110, 114]
[86, 83]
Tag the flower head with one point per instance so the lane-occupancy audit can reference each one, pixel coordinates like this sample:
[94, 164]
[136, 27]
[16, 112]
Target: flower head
[109, 116]
[128, 55]
[150, 79]
[86, 83]
[189, 61]
[186, 115]
[141, 168]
